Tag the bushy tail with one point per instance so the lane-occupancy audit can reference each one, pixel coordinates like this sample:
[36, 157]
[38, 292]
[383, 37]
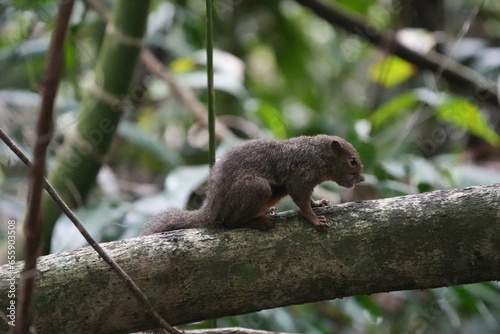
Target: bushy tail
[174, 220]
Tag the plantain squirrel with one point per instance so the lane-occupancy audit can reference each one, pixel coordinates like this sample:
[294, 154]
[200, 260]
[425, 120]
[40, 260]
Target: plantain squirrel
[252, 177]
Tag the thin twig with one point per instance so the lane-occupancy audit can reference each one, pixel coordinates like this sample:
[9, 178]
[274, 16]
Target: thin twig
[186, 95]
[45, 125]
[210, 80]
[100, 9]
[452, 71]
[437, 76]
[461, 35]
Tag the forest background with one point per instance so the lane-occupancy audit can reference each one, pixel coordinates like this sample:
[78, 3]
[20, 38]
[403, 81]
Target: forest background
[280, 71]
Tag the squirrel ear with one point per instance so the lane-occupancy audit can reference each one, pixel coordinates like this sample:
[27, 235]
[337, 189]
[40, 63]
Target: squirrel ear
[336, 146]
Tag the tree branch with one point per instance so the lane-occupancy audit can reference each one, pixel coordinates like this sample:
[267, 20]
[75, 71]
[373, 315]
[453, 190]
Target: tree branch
[455, 73]
[420, 241]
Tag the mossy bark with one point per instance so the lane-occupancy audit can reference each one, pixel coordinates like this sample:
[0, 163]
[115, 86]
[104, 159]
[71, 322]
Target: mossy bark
[421, 241]
[85, 147]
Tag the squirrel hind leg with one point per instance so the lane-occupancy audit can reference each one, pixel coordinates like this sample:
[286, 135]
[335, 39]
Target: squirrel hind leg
[256, 198]
[261, 223]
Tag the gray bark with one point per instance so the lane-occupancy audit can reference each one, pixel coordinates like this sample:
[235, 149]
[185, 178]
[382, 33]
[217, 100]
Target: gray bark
[421, 241]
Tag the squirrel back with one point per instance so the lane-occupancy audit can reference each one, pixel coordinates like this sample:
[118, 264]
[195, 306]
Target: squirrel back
[252, 177]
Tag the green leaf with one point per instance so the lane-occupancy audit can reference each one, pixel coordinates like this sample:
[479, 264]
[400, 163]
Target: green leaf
[32, 4]
[462, 113]
[487, 292]
[25, 64]
[360, 6]
[369, 304]
[393, 107]
[467, 298]
[273, 119]
[391, 71]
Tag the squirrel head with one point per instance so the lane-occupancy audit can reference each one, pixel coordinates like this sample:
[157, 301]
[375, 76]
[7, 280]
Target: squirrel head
[348, 169]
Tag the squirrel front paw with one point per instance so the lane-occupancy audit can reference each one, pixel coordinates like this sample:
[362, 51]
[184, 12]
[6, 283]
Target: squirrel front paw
[320, 223]
[271, 211]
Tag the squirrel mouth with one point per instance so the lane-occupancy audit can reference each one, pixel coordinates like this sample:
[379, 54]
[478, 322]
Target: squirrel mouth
[350, 181]
[355, 179]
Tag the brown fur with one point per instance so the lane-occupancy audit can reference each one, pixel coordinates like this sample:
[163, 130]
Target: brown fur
[254, 176]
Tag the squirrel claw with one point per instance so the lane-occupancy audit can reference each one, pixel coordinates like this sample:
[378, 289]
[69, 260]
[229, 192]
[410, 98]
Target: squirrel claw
[321, 202]
[322, 219]
[321, 224]
[271, 210]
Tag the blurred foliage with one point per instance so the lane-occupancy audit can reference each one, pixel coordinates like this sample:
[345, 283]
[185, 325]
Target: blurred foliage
[279, 72]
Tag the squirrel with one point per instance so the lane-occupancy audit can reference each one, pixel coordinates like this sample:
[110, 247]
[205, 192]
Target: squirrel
[252, 177]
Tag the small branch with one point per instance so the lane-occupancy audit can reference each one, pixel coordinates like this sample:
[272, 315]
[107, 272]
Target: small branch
[452, 71]
[32, 225]
[210, 81]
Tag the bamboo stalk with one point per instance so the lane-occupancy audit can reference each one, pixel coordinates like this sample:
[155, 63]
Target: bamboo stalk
[85, 147]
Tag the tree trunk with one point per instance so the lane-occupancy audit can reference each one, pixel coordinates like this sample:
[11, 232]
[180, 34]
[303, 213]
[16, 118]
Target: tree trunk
[420, 241]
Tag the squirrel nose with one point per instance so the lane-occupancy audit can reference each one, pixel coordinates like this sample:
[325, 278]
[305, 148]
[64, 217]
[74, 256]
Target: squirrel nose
[362, 179]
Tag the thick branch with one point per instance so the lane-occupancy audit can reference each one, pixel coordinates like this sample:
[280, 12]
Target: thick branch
[421, 241]
[455, 73]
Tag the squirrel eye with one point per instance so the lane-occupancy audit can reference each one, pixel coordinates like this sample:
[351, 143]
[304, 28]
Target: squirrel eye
[353, 162]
